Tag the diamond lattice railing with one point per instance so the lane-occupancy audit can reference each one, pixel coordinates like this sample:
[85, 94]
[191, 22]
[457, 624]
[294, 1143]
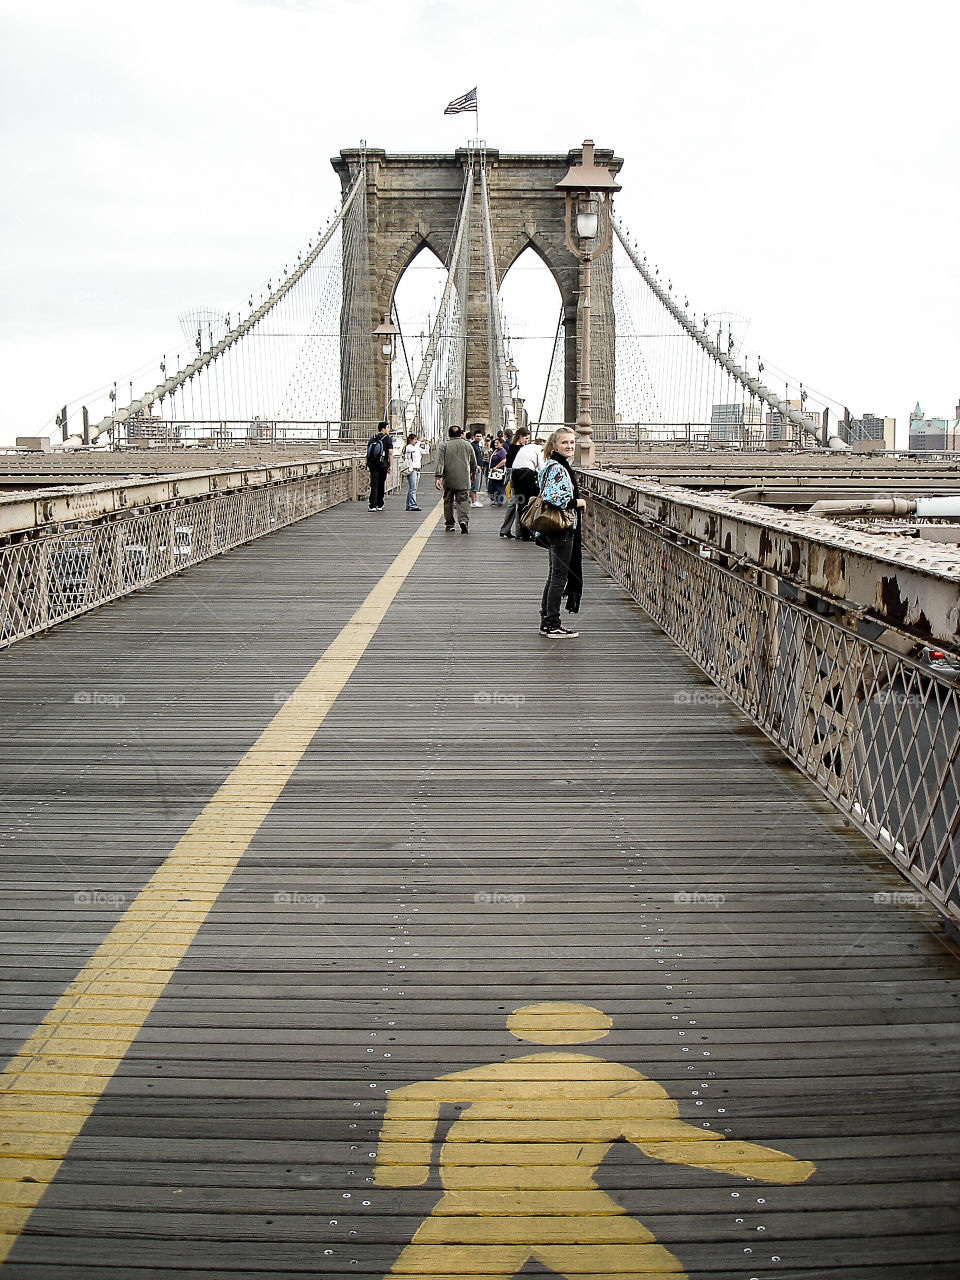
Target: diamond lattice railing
[52, 574]
[879, 734]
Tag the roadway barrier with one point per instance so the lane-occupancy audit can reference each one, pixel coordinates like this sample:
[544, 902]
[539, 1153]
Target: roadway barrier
[66, 551]
[842, 690]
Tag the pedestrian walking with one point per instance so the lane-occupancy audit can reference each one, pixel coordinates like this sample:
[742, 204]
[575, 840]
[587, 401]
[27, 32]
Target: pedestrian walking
[497, 483]
[558, 488]
[477, 443]
[379, 455]
[523, 486]
[456, 474]
[411, 461]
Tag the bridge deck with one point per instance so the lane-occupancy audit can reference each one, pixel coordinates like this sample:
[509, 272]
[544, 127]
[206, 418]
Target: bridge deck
[481, 821]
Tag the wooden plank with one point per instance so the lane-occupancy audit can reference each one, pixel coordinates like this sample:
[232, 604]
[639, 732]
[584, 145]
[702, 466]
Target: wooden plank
[802, 1011]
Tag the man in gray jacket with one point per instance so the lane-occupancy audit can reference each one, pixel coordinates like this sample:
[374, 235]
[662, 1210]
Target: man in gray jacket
[456, 468]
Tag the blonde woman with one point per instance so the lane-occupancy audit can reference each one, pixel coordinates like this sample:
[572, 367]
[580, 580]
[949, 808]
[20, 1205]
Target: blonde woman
[558, 488]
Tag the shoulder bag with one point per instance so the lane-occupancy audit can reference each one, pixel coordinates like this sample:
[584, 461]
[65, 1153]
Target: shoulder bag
[540, 517]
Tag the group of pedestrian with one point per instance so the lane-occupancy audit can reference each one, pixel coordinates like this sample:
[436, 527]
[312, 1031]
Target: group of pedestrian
[530, 470]
[491, 452]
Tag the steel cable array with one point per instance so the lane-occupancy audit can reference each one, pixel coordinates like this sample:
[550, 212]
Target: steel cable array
[501, 394]
[299, 364]
[442, 374]
[678, 379]
[282, 363]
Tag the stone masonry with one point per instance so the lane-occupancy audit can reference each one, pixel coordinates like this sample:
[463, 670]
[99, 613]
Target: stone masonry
[414, 200]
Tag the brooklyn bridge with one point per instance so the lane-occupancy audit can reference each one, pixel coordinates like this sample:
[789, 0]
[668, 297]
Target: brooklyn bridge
[351, 928]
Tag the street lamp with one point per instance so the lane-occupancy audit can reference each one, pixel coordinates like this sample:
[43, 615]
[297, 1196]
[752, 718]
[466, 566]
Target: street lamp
[513, 378]
[441, 393]
[588, 188]
[386, 335]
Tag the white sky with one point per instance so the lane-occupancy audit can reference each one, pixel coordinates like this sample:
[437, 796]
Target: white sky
[795, 163]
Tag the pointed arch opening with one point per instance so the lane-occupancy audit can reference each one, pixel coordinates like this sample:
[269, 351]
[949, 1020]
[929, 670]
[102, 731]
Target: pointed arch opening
[416, 300]
[530, 303]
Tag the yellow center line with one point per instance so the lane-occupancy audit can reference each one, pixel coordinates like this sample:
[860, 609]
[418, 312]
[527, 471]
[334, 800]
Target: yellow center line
[46, 1091]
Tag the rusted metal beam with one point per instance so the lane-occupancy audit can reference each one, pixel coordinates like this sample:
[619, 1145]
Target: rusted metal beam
[913, 587]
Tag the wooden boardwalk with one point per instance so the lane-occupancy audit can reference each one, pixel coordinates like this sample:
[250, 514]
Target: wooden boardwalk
[481, 821]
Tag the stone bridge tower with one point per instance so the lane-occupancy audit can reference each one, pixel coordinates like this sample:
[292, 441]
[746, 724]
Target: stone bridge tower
[414, 200]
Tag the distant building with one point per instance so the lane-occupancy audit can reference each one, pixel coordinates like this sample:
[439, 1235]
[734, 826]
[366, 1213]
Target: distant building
[150, 428]
[937, 435]
[260, 431]
[869, 431]
[780, 428]
[733, 421]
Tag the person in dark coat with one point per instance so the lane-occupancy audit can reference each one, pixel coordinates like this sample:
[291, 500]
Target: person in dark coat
[379, 455]
[558, 488]
[512, 514]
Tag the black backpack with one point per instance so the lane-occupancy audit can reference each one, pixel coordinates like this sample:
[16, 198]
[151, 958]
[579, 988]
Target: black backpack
[376, 453]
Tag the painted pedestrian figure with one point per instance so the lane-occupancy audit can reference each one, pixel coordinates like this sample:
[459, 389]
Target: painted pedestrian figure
[518, 1164]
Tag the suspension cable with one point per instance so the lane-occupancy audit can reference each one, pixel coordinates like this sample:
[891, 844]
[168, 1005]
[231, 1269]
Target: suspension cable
[722, 359]
[461, 237]
[206, 358]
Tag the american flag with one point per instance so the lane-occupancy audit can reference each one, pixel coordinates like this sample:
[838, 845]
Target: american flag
[468, 102]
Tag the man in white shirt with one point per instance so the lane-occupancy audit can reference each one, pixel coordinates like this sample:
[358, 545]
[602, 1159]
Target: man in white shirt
[411, 460]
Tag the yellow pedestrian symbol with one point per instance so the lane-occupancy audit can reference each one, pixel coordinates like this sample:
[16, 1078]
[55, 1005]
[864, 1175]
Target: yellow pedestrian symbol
[518, 1164]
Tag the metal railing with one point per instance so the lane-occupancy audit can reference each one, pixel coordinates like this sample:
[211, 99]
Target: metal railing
[66, 552]
[239, 432]
[877, 732]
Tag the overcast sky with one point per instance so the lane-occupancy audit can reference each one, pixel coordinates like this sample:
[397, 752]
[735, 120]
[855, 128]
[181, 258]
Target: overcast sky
[792, 163]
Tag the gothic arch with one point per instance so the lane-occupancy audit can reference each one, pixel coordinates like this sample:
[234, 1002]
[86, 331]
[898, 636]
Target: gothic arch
[386, 285]
[414, 200]
[564, 275]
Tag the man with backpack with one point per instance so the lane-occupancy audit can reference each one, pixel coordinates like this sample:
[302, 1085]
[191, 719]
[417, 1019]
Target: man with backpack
[379, 453]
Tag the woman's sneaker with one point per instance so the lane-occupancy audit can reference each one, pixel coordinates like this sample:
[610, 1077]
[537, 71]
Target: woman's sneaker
[559, 633]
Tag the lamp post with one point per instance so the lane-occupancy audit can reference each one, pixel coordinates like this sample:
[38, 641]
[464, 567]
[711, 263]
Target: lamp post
[513, 375]
[440, 394]
[588, 188]
[519, 412]
[386, 335]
